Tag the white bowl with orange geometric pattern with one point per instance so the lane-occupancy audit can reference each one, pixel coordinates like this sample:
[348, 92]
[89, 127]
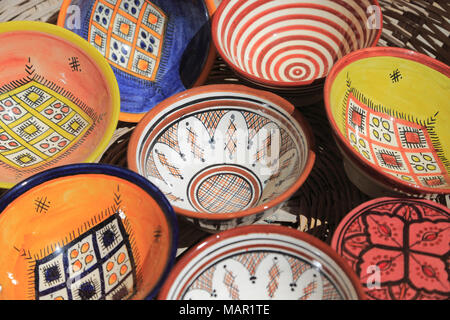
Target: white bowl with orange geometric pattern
[389, 111]
[261, 262]
[224, 155]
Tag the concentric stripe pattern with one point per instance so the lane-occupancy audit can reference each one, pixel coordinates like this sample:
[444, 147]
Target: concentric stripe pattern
[292, 41]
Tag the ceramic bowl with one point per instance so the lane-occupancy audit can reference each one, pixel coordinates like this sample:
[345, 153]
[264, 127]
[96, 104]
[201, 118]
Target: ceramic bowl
[49, 113]
[85, 232]
[398, 248]
[388, 108]
[223, 155]
[156, 48]
[285, 44]
[261, 262]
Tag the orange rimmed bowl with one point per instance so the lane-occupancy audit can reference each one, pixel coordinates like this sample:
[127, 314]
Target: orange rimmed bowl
[156, 48]
[224, 155]
[389, 109]
[59, 100]
[85, 232]
[290, 44]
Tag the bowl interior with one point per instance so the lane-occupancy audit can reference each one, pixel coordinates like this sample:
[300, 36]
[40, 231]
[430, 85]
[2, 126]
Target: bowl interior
[285, 43]
[391, 109]
[258, 265]
[222, 151]
[56, 106]
[87, 236]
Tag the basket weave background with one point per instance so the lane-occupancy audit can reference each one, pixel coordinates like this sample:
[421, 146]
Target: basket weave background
[328, 195]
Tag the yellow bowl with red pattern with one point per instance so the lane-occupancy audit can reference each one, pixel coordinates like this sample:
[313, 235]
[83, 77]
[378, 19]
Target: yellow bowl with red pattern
[85, 232]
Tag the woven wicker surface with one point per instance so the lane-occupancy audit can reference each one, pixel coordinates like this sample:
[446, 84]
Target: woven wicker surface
[328, 195]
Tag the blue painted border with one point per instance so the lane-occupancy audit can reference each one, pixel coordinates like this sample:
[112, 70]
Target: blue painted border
[106, 169]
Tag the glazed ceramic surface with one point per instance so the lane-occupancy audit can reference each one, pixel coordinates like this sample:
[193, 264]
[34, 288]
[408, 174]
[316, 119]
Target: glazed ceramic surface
[223, 152]
[49, 114]
[398, 247]
[261, 263]
[156, 48]
[389, 111]
[291, 43]
[85, 232]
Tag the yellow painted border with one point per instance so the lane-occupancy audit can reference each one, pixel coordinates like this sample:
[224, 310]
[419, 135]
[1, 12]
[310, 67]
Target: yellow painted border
[95, 56]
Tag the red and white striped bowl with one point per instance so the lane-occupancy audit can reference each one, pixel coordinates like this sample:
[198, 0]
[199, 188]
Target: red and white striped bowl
[290, 43]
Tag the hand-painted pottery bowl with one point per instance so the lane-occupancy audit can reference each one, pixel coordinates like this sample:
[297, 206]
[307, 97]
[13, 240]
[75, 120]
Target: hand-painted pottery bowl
[85, 232]
[156, 48]
[389, 110]
[59, 100]
[286, 44]
[223, 155]
[399, 248]
[261, 262]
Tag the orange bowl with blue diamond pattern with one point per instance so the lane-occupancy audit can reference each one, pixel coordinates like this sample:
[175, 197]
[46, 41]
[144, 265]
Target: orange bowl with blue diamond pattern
[389, 110]
[59, 100]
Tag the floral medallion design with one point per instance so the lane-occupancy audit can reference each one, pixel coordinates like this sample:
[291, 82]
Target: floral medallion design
[262, 275]
[261, 262]
[399, 248]
[130, 34]
[407, 149]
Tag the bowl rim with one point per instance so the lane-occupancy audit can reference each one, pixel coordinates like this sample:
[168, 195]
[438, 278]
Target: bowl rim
[349, 152]
[277, 100]
[109, 170]
[212, 240]
[209, 62]
[271, 83]
[97, 58]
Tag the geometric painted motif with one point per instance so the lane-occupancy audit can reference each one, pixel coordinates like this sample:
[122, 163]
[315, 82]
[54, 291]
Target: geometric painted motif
[208, 186]
[37, 125]
[129, 34]
[401, 148]
[97, 265]
[262, 275]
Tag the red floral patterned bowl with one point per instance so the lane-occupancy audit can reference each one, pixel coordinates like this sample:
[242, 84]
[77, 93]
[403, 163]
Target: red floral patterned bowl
[285, 44]
[261, 262]
[389, 111]
[224, 155]
[399, 248]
